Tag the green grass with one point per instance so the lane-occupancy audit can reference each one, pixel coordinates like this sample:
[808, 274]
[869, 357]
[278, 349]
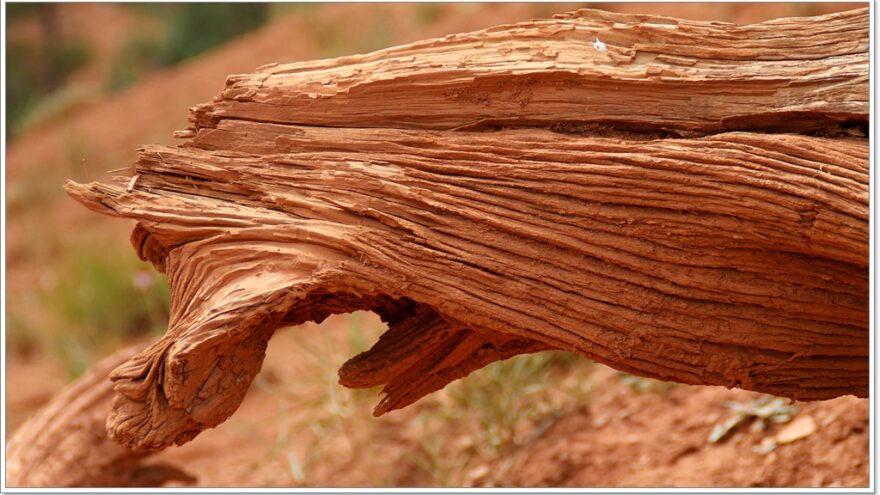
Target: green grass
[315, 410]
[474, 421]
[194, 28]
[86, 292]
[185, 31]
[101, 298]
[444, 466]
[138, 57]
[507, 395]
[642, 385]
[55, 105]
[90, 297]
[483, 417]
[36, 71]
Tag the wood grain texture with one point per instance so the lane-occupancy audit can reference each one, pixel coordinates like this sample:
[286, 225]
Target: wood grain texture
[642, 236]
[737, 259]
[655, 73]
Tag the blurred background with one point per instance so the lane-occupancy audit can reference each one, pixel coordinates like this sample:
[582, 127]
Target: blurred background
[87, 83]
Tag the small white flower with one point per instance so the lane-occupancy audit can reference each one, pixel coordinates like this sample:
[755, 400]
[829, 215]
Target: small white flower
[600, 47]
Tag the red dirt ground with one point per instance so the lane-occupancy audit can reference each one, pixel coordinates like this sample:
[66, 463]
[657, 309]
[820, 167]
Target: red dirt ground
[616, 438]
[621, 439]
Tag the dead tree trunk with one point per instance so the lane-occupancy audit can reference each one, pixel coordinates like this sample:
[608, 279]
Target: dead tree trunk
[562, 184]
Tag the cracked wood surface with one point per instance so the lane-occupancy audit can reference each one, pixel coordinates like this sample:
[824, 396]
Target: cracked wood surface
[737, 259]
[703, 256]
[655, 73]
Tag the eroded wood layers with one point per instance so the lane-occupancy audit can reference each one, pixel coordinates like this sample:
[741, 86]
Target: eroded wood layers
[655, 73]
[736, 259]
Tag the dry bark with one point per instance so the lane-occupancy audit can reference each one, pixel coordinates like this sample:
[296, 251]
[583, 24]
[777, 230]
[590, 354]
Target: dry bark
[736, 259]
[654, 73]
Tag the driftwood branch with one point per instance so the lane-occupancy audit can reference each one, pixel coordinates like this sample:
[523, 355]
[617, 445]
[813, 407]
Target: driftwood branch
[622, 223]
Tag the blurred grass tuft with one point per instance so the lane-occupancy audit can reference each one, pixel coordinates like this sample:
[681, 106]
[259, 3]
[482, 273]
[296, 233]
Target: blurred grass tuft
[428, 13]
[196, 27]
[315, 405]
[33, 72]
[642, 385]
[473, 422]
[56, 104]
[186, 30]
[98, 300]
[497, 409]
[136, 58]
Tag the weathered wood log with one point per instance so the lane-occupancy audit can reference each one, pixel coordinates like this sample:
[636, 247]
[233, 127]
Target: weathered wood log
[736, 259]
[66, 444]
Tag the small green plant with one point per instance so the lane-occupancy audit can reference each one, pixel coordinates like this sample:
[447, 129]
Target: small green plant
[759, 412]
[642, 385]
[509, 396]
[451, 434]
[499, 407]
[444, 466]
[316, 404]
